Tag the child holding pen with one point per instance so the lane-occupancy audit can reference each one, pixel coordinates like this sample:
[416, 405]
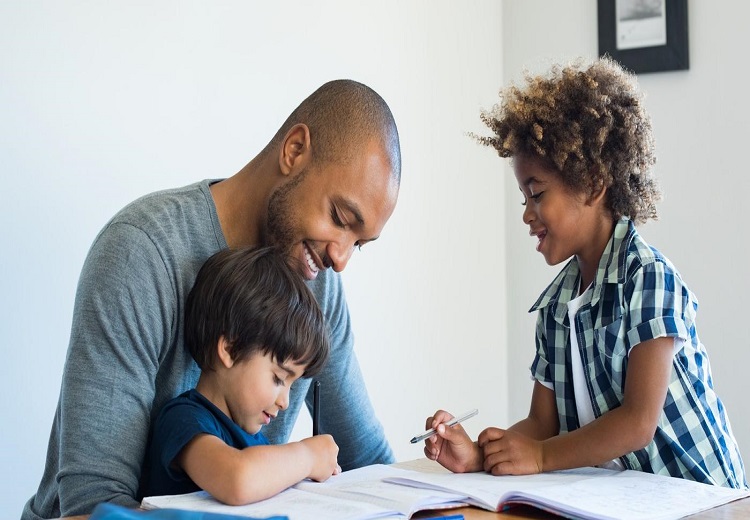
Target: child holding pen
[621, 378]
[254, 328]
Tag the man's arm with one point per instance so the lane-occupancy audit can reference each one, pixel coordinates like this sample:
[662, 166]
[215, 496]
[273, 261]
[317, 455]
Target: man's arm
[346, 410]
[122, 319]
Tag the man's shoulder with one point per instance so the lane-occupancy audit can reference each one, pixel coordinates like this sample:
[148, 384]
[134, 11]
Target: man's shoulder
[177, 222]
[164, 204]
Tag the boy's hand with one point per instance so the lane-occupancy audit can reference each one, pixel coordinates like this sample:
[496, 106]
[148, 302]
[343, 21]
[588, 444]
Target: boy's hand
[451, 447]
[323, 452]
[510, 453]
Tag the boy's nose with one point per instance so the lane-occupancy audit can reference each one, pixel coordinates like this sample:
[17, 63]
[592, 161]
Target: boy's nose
[282, 401]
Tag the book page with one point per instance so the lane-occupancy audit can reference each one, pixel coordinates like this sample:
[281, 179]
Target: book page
[488, 491]
[296, 504]
[635, 495]
[367, 485]
[587, 493]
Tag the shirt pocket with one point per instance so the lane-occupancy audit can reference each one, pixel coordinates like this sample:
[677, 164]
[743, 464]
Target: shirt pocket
[609, 361]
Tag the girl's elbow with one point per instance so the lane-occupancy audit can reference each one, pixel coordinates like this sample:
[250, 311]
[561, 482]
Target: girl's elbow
[642, 435]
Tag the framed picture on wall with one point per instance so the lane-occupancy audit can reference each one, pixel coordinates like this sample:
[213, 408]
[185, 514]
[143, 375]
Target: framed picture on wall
[645, 35]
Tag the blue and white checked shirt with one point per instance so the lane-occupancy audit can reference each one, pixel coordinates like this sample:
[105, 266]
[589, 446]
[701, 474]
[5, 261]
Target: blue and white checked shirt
[637, 295]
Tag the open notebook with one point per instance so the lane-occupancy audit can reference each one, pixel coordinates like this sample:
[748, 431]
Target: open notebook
[353, 495]
[386, 492]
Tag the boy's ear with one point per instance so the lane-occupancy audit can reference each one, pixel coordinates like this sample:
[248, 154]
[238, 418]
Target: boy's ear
[295, 152]
[224, 355]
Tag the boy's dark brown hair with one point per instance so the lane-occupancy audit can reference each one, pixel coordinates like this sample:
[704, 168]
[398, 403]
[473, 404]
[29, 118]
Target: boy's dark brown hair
[589, 124]
[253, 298]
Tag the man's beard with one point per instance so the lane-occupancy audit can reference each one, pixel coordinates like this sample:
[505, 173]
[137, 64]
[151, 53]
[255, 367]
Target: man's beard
[280, 222]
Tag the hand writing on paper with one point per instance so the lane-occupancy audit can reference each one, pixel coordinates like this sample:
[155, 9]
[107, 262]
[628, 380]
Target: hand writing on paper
[322, 451]
[451, 447]
[507, 452]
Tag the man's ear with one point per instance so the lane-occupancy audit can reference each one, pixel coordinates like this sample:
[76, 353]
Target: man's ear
[295, 152]
[225, 356]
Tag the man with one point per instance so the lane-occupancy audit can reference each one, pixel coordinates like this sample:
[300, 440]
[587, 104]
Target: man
[325, 184]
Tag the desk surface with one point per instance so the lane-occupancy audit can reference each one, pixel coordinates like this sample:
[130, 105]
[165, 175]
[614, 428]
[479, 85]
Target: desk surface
[737, 510]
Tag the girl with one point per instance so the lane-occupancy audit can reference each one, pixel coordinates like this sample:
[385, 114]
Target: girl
[621, 377]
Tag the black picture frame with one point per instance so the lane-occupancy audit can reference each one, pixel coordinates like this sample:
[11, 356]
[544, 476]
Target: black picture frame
[672, 56]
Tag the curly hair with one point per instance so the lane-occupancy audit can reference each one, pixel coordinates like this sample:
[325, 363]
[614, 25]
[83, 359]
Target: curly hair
[589, 124]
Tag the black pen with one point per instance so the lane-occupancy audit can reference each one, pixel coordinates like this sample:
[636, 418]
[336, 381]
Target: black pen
[316, 408]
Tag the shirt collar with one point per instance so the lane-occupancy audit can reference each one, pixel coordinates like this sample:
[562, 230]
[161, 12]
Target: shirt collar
[611, 270]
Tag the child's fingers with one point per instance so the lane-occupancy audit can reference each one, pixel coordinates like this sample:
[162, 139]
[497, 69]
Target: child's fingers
[489, 435]
[432, 446]
[453, 434]
[441, 416]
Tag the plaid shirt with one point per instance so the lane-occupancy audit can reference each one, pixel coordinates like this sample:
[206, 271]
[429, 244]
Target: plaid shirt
[637, 295]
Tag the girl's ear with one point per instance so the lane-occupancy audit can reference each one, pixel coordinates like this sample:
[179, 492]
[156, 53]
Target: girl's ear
[599, 191]
[224, 355]
[598, 196]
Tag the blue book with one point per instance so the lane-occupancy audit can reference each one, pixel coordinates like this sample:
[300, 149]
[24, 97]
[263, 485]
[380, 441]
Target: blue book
[107, 511]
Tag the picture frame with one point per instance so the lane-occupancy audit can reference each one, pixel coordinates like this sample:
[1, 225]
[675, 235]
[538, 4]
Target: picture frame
[644, 36]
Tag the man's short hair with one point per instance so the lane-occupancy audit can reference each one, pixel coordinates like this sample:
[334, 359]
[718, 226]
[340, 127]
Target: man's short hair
[342, 115]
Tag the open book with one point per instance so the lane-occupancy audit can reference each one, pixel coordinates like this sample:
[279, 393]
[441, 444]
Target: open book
[387, 492]
[359, 494]
[584, 493]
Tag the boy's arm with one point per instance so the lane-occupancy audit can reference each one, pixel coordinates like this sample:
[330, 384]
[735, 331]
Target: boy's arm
[238, 477]
[622, 430]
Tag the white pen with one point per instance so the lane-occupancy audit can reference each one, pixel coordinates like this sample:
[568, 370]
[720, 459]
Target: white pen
[455, 420]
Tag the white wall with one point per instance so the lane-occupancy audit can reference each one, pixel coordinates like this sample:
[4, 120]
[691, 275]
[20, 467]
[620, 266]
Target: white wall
[700, 119]
[106, 101]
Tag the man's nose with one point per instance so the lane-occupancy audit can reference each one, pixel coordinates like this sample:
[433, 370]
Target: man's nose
[340, 253]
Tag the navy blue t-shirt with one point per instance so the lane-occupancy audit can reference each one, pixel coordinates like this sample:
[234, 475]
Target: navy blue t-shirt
[181, 419]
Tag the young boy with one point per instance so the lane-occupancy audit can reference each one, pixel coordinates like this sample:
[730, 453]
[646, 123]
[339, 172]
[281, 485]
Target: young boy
[253, 327]
[621, 378]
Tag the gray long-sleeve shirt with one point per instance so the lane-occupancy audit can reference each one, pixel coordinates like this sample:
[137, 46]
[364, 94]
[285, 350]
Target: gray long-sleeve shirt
[126, 357]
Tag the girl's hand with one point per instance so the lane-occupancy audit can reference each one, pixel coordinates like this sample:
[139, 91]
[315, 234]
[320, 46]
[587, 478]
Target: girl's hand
[451, 446]
[510, 453]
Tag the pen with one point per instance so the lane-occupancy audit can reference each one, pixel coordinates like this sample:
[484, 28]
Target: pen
[316, 408]
[455, 420]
